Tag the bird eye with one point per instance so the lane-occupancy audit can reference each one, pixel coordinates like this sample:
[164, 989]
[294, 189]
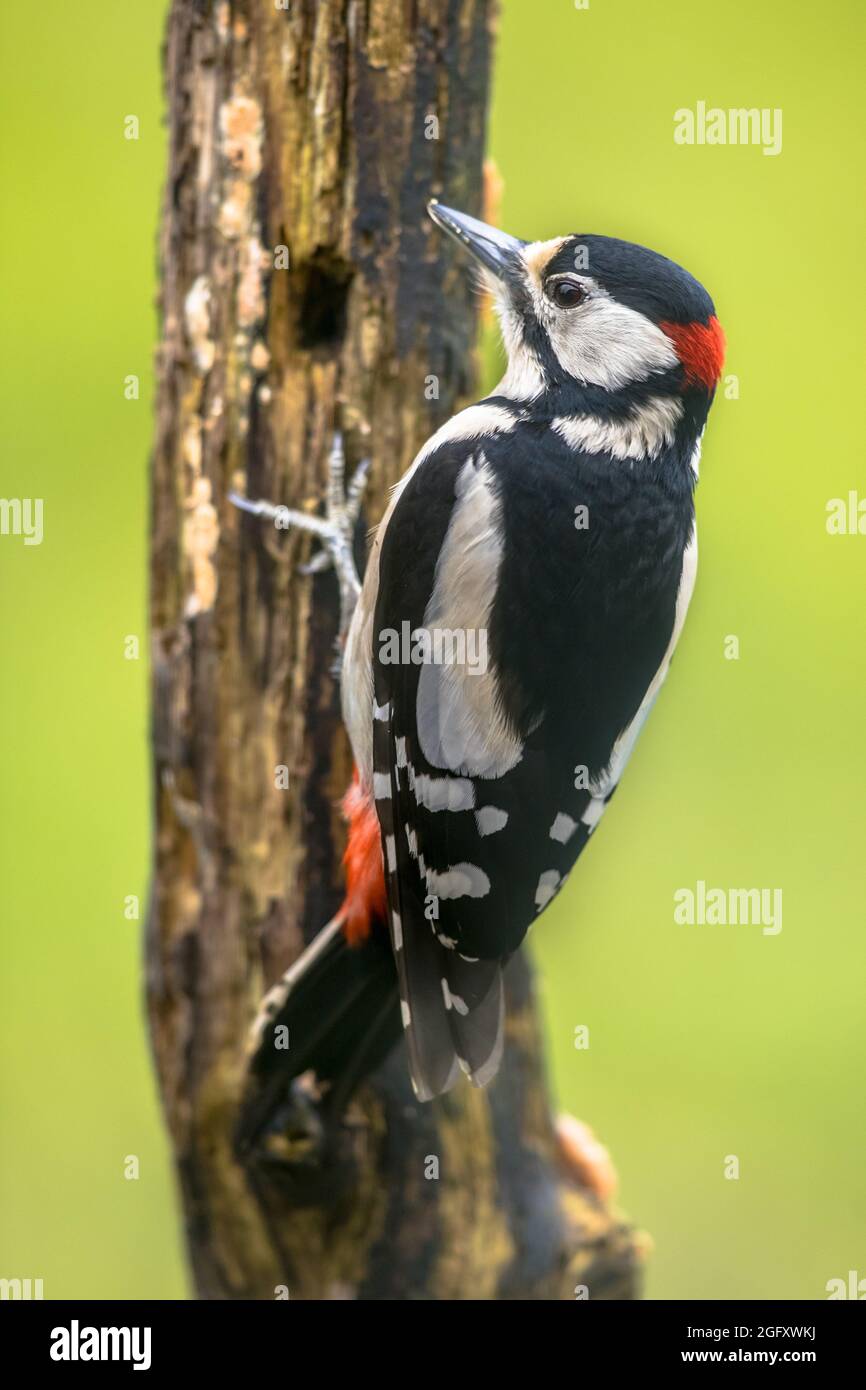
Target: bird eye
[566, 294]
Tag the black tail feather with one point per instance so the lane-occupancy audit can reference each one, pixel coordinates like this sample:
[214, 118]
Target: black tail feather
[340, 1019]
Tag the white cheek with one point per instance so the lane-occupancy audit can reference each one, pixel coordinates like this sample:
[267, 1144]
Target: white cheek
[607, 344]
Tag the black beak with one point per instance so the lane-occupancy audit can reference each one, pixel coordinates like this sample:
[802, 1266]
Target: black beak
[495, 250]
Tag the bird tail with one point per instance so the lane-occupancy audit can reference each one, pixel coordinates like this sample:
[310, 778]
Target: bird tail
[453, 1008]
[350, 996]
[335, 1012]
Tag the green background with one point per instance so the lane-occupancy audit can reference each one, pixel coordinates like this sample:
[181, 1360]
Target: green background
[704, 1041]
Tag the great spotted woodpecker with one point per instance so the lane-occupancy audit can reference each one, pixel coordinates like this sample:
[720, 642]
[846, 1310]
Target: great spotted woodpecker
[521, 603]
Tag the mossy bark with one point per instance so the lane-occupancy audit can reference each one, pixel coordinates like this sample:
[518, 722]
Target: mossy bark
[303, 288]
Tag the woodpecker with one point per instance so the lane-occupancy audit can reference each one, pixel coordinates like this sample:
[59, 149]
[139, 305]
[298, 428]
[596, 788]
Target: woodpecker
[521, 603]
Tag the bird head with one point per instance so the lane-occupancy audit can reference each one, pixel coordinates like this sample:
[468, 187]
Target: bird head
[593, 311]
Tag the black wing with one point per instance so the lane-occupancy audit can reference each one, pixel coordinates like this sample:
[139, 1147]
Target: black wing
[496, 750]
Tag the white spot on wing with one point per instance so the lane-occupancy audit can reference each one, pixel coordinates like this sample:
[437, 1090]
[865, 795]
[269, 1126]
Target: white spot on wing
[563, 828]
[381, 786]
[593, 813]
[442, 793]
[397, 931]
[489, 819]
[547, 886]
[391, 853]
[405, 1013]
[453, 1001]
[459, 881]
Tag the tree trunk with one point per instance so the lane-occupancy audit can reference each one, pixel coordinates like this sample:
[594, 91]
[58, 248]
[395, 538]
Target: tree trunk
[303, 287]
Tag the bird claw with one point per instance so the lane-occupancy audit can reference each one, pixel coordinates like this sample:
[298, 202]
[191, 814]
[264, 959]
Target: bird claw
[334, 531]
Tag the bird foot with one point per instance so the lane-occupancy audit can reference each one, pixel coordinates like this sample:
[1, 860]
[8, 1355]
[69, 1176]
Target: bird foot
[334, 531]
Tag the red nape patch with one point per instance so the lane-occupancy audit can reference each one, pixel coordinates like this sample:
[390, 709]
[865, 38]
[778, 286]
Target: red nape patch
[701, 349]
[365, 872]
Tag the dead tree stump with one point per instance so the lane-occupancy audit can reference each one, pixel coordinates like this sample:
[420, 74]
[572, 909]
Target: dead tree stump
[303, 287]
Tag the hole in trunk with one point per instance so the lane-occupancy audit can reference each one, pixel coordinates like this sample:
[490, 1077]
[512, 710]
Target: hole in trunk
[324, 288]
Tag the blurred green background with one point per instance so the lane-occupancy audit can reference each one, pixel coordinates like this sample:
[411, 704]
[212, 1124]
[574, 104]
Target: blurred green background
[704, 1041]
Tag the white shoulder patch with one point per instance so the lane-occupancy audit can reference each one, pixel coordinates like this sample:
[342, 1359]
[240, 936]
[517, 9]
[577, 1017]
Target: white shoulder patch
[357, 678]
[474, 421]
[457, 709]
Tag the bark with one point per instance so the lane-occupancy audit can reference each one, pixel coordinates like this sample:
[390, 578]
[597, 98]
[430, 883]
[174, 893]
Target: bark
[303, 287]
